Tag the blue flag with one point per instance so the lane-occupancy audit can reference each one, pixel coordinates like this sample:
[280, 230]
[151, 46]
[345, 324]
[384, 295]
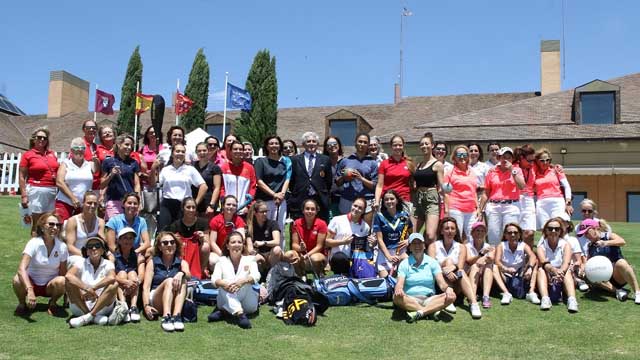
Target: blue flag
[238, 98]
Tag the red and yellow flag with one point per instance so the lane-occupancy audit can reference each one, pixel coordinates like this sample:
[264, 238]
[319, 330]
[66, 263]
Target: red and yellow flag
[143, 103]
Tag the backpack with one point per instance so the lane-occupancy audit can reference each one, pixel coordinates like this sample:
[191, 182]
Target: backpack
[335, 289]
[372, 290]
[204, 292]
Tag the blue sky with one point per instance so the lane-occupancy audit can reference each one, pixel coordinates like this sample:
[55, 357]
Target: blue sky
[327, 53]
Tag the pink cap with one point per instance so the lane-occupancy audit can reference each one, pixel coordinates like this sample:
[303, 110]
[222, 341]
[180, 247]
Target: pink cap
[478, 224]
[587, 224]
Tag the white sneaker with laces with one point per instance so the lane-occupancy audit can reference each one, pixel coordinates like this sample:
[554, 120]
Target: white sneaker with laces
[450, 308]
[582, 285]
[82, 320]
[572, 304]
[622, 294]
[100, 320]
[533, 298]
[506, 299]
[545, 304]
[637, 298]
[475, 311]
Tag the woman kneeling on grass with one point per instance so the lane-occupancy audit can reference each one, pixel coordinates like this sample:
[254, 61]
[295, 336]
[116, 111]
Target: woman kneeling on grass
[165, 282]
[91, 285]
[415, 290]
[234, 276]
[42, 268]
[451, 255]
[129, 272]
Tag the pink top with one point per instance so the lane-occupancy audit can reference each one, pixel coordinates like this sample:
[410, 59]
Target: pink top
[463, 197]
[396, 177]
[500, 185]
[529, 175]
[548, 184]
[148, 155]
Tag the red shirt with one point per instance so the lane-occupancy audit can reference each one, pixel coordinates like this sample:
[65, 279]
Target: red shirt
[464, 195]
[103, 152]
[548, 184]
[500, 185]
[217, 224]
[396, 177]
[309, 236]
[90, 148]
[42, 167]
[529, 175]
[238, 180]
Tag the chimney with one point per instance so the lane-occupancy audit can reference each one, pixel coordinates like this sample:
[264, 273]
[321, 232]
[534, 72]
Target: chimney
[550, 66]
[396, 93]
[67, 94]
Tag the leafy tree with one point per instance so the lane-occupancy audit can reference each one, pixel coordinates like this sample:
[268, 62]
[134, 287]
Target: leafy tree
[262, 84]
[126, 116]
[197, 90]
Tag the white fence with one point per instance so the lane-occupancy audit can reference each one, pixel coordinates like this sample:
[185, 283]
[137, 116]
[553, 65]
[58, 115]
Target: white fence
[9, 168]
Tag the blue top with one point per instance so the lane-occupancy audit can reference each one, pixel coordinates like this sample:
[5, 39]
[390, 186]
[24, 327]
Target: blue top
[161, 272]
[118, 222]
[368, 167]
[419, 280]
[391, 227]
[127, 264]
[121, 184]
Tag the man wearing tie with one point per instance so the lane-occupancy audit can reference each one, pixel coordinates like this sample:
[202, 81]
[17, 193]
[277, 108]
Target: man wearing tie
[310, 178]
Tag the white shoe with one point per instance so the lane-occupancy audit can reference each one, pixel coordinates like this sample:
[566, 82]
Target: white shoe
[637, 298]
[475, 311]
[533, 298]
[178, 325]
[622, 294]
[79, 321]
[545, 304]
[582, 285]
[100, 320]
[167, 324]
[572, 304]
[450, 308]
[506, 299]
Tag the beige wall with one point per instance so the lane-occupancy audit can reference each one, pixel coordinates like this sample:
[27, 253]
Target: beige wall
[608, 191]
[550, 72]
[65, 98]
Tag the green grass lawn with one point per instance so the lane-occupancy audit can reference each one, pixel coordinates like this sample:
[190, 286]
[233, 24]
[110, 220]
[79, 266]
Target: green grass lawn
[603, 327]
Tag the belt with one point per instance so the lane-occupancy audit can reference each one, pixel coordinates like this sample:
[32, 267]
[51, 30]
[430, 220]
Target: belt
[507, 201]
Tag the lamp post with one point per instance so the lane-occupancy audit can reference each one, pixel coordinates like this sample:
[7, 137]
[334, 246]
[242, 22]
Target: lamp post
[405, 13]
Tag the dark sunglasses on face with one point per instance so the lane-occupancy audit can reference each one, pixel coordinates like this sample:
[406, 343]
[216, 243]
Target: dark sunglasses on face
[39, 137]
[168, 242]
[545, 160]
[462, 155]
[554, 228]
[53, 224]
[512, 232]
[332, 143]
[94, 246]
[212, 145]
[288, 147]
[587, 211]
[90, 128]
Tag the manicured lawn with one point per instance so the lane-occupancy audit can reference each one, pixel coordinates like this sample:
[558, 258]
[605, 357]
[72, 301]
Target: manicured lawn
[604, 327]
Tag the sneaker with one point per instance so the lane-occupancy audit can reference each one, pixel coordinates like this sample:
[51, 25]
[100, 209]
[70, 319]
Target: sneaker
[572, 304]
[413, 316]
[533, 298]
[622, 294]
[127, 318]
[475, 311]
[101, 320]
[178, 325]
[486, 302]
[637, 298]
[243, 321]
[134, 314]
[450, 308]
[545, 304]
[79, 321]
[506, 299]
[582, 285]
[216, 315]
[167, 323]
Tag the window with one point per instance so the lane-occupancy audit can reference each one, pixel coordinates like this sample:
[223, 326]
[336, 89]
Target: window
[578, 196]
[216, 130]
[633, 207]
[598, 107]
[345, 130]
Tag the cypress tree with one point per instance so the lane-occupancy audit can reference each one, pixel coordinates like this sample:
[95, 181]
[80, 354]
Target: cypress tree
[197, 90]
[262, 84]
[126, 116]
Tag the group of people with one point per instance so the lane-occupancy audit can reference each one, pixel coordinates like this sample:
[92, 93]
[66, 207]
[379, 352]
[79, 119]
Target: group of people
[222, 216]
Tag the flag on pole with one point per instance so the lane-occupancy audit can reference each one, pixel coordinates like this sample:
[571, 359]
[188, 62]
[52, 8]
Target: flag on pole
[104, 102]
[143, 103]
[183, 103]
[238, 98]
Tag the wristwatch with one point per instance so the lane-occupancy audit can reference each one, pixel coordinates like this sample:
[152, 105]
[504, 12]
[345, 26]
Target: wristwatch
[514, 172]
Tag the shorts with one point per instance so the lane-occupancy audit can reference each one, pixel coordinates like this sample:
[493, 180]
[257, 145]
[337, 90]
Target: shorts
[112, 208]
[407, 206]
[382, 264]
[527, 213]
[65, 211]
[76, 311]
[423, 299]
[151, 294]
[426, 202]
[39, 290]
[41, 199]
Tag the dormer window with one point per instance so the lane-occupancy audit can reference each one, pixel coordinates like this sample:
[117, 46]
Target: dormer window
[344, 129]
[598, 107]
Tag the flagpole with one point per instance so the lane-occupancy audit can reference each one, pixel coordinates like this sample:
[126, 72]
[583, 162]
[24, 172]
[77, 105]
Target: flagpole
[135, 124]
[224, 113]
[95, 114]
[175, 101]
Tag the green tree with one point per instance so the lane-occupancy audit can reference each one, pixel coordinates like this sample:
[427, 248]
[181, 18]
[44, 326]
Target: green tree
[255, 125]
[126, 116]
[197, 90]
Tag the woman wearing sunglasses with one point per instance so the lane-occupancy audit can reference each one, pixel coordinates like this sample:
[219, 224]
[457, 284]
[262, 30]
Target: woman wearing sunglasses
[289, 148]
[554, 257]
[553, 192]
[427, 182]
[333, 149]
[92, 286]
[37, 177]
[165, 282]
[462, 202]
[74, 179]
[265, 235]
[42, 267]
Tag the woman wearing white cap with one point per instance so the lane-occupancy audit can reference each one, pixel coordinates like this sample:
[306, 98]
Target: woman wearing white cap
[479, 263]
[415, 289]
[551, 200]
[501, 198]
[129, 271]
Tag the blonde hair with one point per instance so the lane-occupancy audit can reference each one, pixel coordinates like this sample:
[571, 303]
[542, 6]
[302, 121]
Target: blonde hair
[453, 153]
[32, 140]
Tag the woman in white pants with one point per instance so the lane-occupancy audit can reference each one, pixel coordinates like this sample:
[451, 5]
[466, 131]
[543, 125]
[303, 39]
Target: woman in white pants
[525, 159]
[462, 202]
[234, 276]
[552, 201]
[501, 198]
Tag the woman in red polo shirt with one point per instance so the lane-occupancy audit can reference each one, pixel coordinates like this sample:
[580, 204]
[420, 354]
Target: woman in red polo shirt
[223, 224]
[501, 198]
[525, 159]
[462, 202]
[37, 178]
[394, 173]
[307, 239]
[551, 200]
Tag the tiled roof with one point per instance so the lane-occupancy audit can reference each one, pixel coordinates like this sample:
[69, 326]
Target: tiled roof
[11, 140]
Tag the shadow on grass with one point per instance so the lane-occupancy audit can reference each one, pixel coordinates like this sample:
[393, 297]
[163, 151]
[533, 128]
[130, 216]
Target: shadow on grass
[401, 315]
[596, 295]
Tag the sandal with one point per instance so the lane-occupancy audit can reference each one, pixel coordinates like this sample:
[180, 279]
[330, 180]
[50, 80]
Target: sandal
[21, 310]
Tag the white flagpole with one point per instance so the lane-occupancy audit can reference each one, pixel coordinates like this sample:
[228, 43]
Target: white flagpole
[224, 113]
[94, 108]
[135, 124]
[176, 101]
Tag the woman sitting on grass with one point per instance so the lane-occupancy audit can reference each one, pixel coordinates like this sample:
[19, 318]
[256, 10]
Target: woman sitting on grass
[479, 264]
[91, 285]
[605, 243]
[234, 276]
[308, 235]
[129, 272]
[165, 282]
[415, 289]
[391, 227]
[451, 255]
[42, 268]
[194, 234]
[265, 235]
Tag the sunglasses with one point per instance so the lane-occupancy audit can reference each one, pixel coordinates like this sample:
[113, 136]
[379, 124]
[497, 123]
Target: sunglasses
[587, 211]
[39, 137]
[462, 155]
[440, 150]
[54, 224]
[212, 145]
[288, 148]
[168, 242]
[554, 228]
[78, 148]
[512, 232]
[545, 160]
[330, 143]
[90, 128]
[93, 246]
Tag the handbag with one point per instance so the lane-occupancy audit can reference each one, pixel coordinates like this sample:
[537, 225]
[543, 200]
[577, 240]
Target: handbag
[149, 202]
[516, 285]
[189, 308]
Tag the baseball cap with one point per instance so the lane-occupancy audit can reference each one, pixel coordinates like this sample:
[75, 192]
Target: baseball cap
[126, 230]
[504, 150]
[587, 224]
[415, 236]
[477, 225]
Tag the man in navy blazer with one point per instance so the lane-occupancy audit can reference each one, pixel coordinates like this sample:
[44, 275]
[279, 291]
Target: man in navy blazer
[310, 178]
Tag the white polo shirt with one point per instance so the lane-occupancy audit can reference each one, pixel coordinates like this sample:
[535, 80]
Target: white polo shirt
[176, 183]
[43, 268]
[247, 267]
[91, 276]
[442, 253]
[554, 257]
[343, 227]
[514, 259]
[472, 251]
